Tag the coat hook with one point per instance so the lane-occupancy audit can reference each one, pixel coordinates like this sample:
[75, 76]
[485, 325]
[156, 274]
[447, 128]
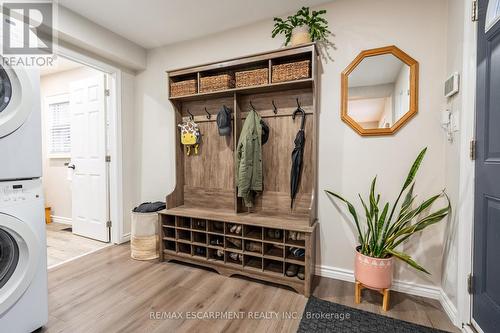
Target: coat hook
[208, 113]
[275, 109]
[190, 114]
[297, 100]
[301, 111]
[253, 107]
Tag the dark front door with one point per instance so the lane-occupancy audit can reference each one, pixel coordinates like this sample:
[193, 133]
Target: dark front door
[486, 268]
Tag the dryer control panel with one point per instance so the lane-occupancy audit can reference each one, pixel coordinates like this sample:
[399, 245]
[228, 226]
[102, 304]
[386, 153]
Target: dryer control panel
[19, 191]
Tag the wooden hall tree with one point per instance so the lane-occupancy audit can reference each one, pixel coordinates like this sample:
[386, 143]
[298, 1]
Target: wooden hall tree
[204, 205]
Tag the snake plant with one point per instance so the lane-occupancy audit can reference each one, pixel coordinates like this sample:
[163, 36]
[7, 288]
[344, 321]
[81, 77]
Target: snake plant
[318, 26]
[385, 228]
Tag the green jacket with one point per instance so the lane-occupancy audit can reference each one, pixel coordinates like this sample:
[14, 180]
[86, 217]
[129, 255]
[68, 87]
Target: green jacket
[249, 159]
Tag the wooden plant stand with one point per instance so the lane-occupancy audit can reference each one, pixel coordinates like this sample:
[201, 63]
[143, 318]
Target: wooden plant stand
[384, 292]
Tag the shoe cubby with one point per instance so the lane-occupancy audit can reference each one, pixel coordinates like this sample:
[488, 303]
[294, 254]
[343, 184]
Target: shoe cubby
[183, 222]
[234, 258]
[251, 262]
[184, 248]
[199, 224]
[216, 227]
[274, 235]
[169, 245]
[216, 240]
[295, 238]
[168, 220]
[273, 266]
[234, 243]
[252, 246]
[199, 251]
[293, 271]
[216, 255]
[295, 254]
[252, 232]
[184, 235]
[256, 251]
[274, 251]
[234, 229]
[199, 237]
[169, 232]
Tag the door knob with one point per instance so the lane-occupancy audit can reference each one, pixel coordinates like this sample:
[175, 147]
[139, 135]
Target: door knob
[71, 166]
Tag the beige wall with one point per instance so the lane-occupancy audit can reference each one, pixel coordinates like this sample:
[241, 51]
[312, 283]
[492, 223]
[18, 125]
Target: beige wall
[347, 162]
[57, 188]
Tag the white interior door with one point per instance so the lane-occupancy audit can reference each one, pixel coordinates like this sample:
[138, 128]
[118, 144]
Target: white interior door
[88, 158]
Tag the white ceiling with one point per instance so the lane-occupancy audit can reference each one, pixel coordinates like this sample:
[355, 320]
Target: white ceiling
[376, 70]
[156, 23]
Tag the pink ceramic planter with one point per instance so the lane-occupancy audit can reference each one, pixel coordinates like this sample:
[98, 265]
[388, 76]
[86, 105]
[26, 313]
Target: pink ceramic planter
[373, 273]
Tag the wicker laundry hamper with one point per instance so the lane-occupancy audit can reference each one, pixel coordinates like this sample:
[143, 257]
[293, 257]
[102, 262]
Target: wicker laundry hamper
[144, 239]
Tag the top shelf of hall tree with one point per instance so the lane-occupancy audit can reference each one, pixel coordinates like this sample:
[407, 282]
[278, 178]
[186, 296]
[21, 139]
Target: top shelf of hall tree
[260, 60]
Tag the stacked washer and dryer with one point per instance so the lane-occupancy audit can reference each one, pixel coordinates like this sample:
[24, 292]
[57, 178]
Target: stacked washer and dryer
[23, 256]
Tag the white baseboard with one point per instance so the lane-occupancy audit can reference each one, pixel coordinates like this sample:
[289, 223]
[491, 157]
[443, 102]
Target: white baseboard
[401, 286]
[449, 308]
[125, 238]
[61, 219]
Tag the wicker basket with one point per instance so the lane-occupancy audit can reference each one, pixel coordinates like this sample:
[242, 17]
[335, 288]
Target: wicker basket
[182, 88]
[253, 77]
[291, 71]
[216, 82]
[144, 240]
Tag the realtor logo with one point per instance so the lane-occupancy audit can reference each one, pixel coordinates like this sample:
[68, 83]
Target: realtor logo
[27, 28]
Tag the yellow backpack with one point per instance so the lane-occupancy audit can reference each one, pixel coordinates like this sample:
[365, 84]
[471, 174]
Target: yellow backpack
[190, 135]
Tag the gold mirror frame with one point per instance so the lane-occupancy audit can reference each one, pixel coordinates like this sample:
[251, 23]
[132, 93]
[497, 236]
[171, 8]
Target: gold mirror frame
[412, 63]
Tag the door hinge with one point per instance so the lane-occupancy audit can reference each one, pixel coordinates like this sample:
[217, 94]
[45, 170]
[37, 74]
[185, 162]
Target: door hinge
[108, 224]
[472, 150]
[470, 284]
[107, 92]
[474, 15]
[108, 158]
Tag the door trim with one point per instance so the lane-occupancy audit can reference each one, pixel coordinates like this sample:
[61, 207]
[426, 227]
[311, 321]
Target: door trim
[113, 108]
[467, 172]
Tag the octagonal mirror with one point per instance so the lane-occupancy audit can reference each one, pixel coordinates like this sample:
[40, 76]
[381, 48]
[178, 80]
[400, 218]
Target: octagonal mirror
[379, 91]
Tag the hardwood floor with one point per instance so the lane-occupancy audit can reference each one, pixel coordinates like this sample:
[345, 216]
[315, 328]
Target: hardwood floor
[109, 292]
[64, 245]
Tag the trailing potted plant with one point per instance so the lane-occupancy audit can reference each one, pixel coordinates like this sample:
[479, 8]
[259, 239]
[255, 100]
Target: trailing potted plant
[385, 229]
[303, 27]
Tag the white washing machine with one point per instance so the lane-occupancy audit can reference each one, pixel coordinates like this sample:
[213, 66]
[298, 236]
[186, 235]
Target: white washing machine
[20, 123]
[23, 260]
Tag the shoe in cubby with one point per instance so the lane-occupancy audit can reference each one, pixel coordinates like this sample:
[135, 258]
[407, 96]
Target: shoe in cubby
[251, 262]
[216, 227]
[273, 235]
[252, 232]
[252, 246]
[234, 243]
[216, 240]
[199, 224]
[233, 229]
[274, 250]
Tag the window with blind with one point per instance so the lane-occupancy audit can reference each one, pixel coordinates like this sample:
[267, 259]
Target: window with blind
[59, 129]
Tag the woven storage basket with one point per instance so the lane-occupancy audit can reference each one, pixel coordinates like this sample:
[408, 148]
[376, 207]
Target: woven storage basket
[216, 82]
[182, 88]
[253, 77]
[291, 71]
[144, 240]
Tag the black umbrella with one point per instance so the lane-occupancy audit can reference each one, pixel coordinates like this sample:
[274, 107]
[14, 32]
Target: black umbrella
[297, 155]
